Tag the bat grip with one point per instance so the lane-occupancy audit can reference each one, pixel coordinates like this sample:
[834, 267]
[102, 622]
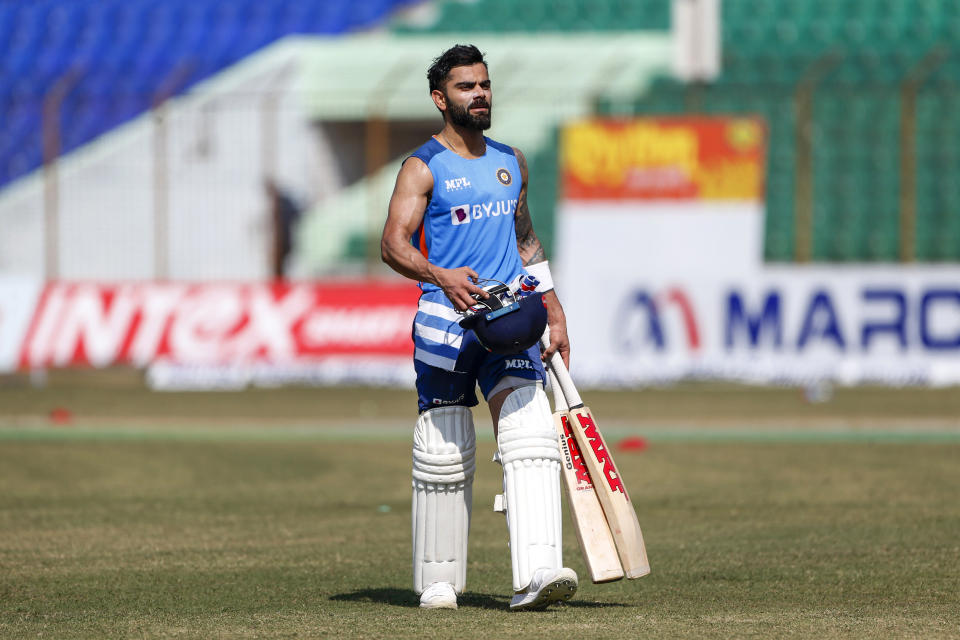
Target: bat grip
[559, 370]
[559, 401]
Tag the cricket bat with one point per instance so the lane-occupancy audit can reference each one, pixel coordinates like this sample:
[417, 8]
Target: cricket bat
[593, 533]
[609, 486]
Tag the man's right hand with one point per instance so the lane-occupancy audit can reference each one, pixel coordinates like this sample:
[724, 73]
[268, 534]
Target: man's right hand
[459, 285]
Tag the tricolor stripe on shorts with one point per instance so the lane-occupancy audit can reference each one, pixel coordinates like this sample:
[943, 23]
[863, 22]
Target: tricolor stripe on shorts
[436, 334]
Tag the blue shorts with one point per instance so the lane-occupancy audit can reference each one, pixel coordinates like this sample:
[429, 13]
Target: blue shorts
[475, 365]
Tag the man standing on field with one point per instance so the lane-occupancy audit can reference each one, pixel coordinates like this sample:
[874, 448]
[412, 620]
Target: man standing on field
[459, 215]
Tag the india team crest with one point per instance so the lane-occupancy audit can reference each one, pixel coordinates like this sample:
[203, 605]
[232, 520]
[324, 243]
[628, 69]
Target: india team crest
[504, 177]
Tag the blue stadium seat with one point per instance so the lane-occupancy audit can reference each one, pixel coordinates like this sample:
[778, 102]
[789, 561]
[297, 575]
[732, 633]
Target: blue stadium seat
[126, 48]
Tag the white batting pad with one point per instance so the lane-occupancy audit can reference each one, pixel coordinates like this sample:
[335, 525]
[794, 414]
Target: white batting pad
[444, 445]
[530, 457]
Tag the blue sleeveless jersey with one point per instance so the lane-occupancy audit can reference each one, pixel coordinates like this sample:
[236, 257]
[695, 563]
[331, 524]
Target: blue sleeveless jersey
[469, 219]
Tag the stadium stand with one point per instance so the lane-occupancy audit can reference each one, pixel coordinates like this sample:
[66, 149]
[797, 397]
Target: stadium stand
[867, 51]
[124, 51]
[546, 16]
[860, 58]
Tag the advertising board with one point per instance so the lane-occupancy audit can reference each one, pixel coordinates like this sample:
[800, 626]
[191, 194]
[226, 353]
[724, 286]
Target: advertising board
[661, 274]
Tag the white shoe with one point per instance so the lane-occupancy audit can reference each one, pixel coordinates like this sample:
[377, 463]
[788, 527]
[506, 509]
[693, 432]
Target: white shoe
[439, 595]
[547, 586]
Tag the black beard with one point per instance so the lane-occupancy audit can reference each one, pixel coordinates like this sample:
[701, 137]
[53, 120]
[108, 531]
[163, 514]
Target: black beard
[463, 118]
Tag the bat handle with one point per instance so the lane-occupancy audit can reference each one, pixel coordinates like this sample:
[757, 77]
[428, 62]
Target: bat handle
[559, 371]
[559, 401]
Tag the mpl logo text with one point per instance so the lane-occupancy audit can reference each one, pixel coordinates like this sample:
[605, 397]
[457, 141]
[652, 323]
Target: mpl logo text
[455, 184]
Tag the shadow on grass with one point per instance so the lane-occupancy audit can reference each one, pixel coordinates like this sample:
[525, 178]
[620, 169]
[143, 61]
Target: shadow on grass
[407, 598]
[395, 597]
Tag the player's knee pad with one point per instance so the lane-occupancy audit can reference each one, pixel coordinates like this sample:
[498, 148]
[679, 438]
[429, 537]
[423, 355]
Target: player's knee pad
[530, 455]
[444, 447]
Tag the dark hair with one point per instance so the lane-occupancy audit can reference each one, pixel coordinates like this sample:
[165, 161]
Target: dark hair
[459, 55]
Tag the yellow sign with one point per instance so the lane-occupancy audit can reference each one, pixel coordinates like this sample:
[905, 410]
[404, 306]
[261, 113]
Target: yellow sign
[664, 158]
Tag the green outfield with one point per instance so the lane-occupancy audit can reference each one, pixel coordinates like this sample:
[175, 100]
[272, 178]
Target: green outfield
[285, 513]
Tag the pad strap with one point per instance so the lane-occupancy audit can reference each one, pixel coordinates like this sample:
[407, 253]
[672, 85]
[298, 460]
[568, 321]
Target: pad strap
[530, 456]
[444, 449]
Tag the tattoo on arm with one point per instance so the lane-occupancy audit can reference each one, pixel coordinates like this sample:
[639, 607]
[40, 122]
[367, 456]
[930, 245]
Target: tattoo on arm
[531, 251]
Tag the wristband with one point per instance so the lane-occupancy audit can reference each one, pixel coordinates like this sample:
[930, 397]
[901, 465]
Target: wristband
[541, 271]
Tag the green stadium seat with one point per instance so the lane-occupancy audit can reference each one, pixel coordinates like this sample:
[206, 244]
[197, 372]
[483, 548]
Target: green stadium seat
[529, 16]
[599, 16]
[549, 16]
[356, 246]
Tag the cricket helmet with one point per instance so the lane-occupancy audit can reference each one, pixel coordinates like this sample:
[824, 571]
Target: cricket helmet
[507, 324]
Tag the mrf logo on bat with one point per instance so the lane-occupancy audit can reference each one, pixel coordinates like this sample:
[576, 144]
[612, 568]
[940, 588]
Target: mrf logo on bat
[575, 457]
[601, 454]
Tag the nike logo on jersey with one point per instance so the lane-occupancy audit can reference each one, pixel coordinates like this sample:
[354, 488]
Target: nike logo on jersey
[455, 184]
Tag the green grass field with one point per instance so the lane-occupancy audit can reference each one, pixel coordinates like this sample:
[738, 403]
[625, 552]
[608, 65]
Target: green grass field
[279, 514]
